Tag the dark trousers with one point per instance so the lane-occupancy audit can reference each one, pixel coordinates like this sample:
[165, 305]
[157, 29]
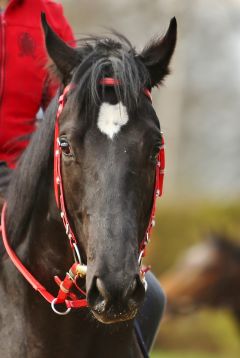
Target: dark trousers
[150, 314]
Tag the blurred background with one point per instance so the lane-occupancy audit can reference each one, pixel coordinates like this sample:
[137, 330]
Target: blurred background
[195, 249]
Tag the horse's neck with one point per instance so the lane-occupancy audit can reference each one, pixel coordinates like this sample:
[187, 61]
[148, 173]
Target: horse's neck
[44, 247]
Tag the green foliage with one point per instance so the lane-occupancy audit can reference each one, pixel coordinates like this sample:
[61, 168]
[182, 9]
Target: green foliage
[178, 228]
[205, 330]
[182, 354]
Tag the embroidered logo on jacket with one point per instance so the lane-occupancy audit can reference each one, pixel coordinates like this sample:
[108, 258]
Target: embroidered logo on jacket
[27, 44]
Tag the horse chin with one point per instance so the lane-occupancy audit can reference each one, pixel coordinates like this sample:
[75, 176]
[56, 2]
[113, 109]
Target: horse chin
[111, 317]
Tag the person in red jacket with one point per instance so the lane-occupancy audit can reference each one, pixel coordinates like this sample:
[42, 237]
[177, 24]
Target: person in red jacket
[25, 85]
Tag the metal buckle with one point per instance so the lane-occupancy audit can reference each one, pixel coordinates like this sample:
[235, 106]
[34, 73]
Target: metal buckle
[145, 284]
[59, 312]
[140, 257]
[76, 254]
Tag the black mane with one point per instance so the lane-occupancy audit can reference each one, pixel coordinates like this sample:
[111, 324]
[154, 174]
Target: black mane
[109, 57]
[98, 58]
[31, 172]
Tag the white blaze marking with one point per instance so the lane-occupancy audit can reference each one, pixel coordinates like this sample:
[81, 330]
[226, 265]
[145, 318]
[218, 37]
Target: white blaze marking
[111, 118]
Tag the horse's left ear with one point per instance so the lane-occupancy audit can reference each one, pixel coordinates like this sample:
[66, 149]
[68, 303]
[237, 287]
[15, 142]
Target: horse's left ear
[65, 57]
[157, 55]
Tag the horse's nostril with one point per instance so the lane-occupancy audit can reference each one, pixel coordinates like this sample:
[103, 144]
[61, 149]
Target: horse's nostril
[133, 285]
[102, 289]
[111, 295]
[131, 289]
[136, 289]
[97, 295]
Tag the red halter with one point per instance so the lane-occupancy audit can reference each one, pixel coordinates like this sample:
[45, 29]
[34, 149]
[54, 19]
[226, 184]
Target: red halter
[77, 269]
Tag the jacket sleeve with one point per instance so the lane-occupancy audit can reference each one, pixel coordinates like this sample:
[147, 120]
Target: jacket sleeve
[61, 26]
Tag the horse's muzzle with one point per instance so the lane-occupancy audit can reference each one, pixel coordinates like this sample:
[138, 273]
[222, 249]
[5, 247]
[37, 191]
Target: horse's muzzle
[112, 302]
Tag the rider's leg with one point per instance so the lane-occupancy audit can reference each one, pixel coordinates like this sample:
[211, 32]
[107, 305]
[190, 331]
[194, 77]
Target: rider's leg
[151, 313]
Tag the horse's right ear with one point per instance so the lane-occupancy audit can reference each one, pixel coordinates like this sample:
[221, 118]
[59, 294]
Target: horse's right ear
[156, 56]
[64, 56]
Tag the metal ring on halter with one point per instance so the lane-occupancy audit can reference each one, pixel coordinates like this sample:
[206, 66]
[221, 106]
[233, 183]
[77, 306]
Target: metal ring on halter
[76, 254]
[140, 257]
[58, 312]
[145, 284]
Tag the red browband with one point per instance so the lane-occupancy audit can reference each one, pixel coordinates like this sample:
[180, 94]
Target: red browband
[77, 269]
[109, 81]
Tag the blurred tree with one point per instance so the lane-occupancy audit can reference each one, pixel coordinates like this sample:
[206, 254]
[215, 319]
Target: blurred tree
[199, 110]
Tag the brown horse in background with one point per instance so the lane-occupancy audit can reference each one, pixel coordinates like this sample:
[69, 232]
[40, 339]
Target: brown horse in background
[208, 275]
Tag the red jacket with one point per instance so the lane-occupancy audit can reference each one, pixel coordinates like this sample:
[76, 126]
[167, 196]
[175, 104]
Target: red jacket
[24, 84]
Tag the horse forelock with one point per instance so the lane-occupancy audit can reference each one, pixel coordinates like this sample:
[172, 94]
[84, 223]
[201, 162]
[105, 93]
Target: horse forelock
[107, 57]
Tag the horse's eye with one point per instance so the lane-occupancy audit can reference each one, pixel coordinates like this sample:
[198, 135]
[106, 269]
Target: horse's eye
[65, 146]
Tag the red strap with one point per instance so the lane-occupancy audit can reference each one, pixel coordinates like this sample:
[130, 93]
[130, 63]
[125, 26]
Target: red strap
[109, 81]
[147, 93]
[61, 101]
[76, 303]
[26, 273]
[57, 177]
[159, 177]
[56, 162]
[59, 283]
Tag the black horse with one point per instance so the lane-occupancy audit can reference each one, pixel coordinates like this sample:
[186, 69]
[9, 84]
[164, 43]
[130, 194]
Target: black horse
[110, 137]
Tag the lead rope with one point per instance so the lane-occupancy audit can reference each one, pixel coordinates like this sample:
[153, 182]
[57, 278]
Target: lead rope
[64, 295]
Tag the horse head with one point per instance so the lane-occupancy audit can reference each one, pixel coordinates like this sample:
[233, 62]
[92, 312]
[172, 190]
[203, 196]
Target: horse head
[110, 137]
[205, 276]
